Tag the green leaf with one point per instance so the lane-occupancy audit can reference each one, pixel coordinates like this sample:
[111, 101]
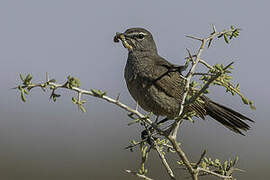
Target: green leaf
[25, 91]
[52, 80]
[220, 36]
[226, 38]
[52, 87]
[222, 173]
[219, 67]
[98, 93]
[245, 100]
[190, 119]
[230, 163]
[20, 87]
[225, 165]
[133, 142]
[57, 95]
[180, 162]
[237, 86]
[235, 160]
[228, 77]
[73, 82]
[251, 103]
[22, 77]
[235, 33]
[203, 165]
[74, 100]
[193, 84]
[23, 96]
[28, 78]
[134, 121]
[82, 108]
[206, 91]
[145, 171]
[228, 71]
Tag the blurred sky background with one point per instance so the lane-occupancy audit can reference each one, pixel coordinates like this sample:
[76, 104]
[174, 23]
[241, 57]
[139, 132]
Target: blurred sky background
[42, 140]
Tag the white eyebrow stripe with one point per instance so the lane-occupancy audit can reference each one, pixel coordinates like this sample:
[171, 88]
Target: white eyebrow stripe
[137, 33]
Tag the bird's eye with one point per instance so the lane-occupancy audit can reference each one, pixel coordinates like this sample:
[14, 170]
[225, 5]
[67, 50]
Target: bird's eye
[140, 36]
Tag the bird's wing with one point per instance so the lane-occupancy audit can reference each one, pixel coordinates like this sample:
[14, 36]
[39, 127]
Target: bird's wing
[167, 77]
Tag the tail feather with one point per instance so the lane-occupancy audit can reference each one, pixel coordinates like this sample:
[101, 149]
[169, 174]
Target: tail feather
[229, 118]
[234, 112]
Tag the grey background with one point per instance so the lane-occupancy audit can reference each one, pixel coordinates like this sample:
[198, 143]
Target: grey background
[42, 140]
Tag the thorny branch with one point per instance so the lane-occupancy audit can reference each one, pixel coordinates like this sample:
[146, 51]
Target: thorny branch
[170, 133]
[164, 161]
[172, 137]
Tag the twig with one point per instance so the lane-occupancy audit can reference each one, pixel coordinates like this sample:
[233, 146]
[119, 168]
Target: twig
[164, 161]
[201, 158]
[188, 79]
[182, 155]
[203, 74]
[104, 97]
[138, 175]
[79, 99]
[176, 124]
[202, 90]
[133, 145]
[213, 173]
[196, 38]
[206, 64]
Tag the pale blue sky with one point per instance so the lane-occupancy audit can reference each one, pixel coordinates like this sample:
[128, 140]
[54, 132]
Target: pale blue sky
[42, 140]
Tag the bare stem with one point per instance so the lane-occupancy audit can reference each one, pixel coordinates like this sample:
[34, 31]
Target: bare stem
[173, 132]
[183, 157]
[164, 161]
[142, 176]
[213, 173]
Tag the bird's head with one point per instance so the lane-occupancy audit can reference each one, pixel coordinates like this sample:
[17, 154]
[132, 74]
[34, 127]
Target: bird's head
[137, 39]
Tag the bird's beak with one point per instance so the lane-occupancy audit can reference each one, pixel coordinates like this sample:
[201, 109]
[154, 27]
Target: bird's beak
[118, 36]
[122, 36]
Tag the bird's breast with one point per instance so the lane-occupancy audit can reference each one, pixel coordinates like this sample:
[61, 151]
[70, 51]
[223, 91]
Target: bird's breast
[146, 93]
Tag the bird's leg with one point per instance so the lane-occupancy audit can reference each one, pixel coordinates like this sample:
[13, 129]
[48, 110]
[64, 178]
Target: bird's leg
[157, 119]
[163, 121]
[137, 105]
[147, 135]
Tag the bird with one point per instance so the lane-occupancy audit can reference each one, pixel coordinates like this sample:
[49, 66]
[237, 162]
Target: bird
[158, 86]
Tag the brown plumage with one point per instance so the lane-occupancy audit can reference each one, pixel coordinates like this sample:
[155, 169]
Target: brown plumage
[158, 87]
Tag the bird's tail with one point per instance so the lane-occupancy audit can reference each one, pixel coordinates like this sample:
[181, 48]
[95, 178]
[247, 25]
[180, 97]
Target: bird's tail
[228, 117]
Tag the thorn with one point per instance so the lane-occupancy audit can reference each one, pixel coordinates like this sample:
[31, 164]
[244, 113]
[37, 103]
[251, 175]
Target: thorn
[210, 41]
[228, 65]
[214, 28]
[190, 56]
[47, 77]
[196, 38]
[131, 115]
[118, 97]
